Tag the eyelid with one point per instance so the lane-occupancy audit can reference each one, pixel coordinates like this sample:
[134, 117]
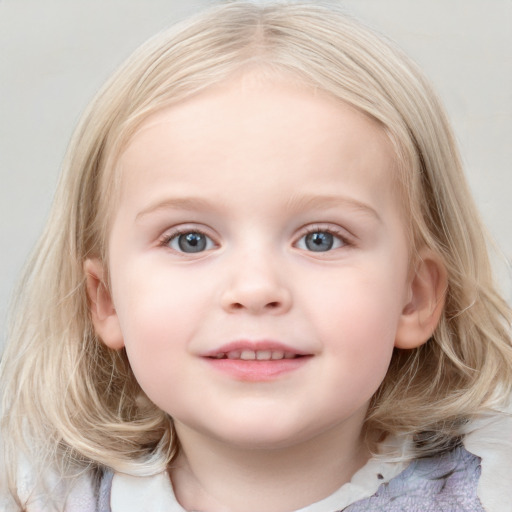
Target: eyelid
[183, 229]
[347, 238]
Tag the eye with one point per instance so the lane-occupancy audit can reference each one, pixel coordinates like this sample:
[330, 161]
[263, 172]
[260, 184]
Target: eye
[189, 242]
[320, 241]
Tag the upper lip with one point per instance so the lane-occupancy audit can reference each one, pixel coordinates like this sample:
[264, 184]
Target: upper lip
[255, 346]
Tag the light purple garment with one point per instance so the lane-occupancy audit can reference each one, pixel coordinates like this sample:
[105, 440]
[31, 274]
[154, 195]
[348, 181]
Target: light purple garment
[444, 483]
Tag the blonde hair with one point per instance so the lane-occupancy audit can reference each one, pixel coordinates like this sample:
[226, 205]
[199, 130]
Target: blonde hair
[78, 401]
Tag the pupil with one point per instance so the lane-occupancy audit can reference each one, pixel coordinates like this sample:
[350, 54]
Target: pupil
[192, 242]
[319, 241]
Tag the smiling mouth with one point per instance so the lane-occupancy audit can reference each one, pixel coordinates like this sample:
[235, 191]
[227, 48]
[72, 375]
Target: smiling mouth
[256, 355]
[257, 360]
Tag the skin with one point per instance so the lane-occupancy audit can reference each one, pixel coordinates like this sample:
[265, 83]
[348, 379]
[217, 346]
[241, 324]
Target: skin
[255, 166]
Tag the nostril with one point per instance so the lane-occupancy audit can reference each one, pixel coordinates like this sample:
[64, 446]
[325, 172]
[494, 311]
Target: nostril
[256, 301]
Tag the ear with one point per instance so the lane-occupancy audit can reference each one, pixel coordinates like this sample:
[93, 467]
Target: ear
[420, 316]
[103, 313]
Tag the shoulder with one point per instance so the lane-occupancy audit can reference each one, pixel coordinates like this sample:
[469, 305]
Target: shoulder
[490, 438]
[474, 477]
[80, 491]
[444, 482]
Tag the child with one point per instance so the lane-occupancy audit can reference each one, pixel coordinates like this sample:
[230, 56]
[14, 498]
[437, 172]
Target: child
[263, 286]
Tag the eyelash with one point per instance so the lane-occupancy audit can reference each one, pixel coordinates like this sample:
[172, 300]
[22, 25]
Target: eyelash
[176, 232]
[339, 234]
[336, 232]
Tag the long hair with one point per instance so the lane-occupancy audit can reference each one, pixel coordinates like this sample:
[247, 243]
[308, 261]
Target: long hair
[73, 400]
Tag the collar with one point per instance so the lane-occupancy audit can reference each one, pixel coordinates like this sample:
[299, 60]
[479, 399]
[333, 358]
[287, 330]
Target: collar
[489, 436]
[155, 493]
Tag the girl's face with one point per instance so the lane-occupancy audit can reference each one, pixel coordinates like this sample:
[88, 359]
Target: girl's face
[259, 263]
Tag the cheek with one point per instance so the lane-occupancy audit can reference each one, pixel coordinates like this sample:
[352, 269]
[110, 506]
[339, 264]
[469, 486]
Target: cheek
[363, 307]
[159, 314]
[357, 323]
[155, 304]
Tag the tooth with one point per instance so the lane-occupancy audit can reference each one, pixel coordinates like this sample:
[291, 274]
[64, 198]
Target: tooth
[247, 355]
[234, 354]
[263, 355]
[289, 355]
[220, 356]
[277, 355]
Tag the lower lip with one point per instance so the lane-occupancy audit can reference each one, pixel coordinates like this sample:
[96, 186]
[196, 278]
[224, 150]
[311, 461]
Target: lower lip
[257, 371]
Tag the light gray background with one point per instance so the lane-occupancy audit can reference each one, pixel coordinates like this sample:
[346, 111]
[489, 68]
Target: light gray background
[54, 54]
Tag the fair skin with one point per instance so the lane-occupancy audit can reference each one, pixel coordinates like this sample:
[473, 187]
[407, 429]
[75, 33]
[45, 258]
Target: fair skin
[259, 220]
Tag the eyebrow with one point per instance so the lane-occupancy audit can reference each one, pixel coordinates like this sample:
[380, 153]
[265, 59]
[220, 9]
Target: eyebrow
[297, 203]
[330, 201]
[177, 203]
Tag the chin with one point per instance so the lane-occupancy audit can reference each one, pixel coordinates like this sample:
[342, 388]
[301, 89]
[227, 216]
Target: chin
[271, 435]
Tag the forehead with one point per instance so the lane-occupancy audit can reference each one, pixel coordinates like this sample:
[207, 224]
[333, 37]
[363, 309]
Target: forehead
[250, 138]
[243, 110]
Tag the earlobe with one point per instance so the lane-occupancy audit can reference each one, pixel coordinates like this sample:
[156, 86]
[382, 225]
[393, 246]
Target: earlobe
[103, 313]
[421, 315]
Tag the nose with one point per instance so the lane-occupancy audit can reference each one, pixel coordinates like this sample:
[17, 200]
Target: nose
[256, 288]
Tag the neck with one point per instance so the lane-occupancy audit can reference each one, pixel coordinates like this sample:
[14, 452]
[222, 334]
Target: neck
[210, 476]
